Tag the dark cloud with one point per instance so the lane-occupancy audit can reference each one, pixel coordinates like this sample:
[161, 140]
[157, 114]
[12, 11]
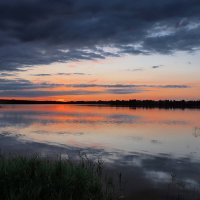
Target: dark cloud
[69, 74]
[174, 86]
[41, 74]
[135, 70]
[39, 32]
[156, 66]
[21, 84]
[4, 74]
[25, 88]
[124, 91]
[62, 74]
[142, 69]
[50, 93]
[45, 93]
[125, 86]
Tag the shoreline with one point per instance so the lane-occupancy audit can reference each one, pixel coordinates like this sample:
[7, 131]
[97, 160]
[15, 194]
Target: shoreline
[166, 104]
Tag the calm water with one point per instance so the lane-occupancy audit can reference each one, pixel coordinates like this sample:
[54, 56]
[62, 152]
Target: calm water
[149, 146]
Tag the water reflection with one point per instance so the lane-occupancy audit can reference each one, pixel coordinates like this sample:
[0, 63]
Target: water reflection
[149, 146]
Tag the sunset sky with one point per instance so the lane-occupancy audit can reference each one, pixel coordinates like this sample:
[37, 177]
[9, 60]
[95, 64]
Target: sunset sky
[99, 50]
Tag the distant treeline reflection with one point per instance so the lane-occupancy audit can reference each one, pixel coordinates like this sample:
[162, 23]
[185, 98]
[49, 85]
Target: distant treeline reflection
[168, 104]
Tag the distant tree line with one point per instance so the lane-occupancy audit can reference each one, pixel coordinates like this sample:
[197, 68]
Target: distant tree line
[168, 104]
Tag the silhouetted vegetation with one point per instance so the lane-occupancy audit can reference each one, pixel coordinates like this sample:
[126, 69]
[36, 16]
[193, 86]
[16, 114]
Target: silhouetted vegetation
[23, 178]
[36, 178]
[167, 104]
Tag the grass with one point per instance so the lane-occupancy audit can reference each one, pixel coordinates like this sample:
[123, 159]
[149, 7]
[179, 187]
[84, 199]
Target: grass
[36, 178]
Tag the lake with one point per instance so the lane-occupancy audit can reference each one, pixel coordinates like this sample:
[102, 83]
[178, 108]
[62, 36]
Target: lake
[153, 149]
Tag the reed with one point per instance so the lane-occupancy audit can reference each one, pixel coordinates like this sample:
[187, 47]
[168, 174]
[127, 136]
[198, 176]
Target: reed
[37, 178]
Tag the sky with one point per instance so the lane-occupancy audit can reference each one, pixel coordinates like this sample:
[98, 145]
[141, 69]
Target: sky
[99, 50]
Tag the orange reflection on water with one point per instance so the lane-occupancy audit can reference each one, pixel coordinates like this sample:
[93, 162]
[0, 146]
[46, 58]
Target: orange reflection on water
[125, 129]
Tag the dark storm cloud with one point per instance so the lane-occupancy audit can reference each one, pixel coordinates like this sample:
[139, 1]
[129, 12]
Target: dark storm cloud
[44, 31]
